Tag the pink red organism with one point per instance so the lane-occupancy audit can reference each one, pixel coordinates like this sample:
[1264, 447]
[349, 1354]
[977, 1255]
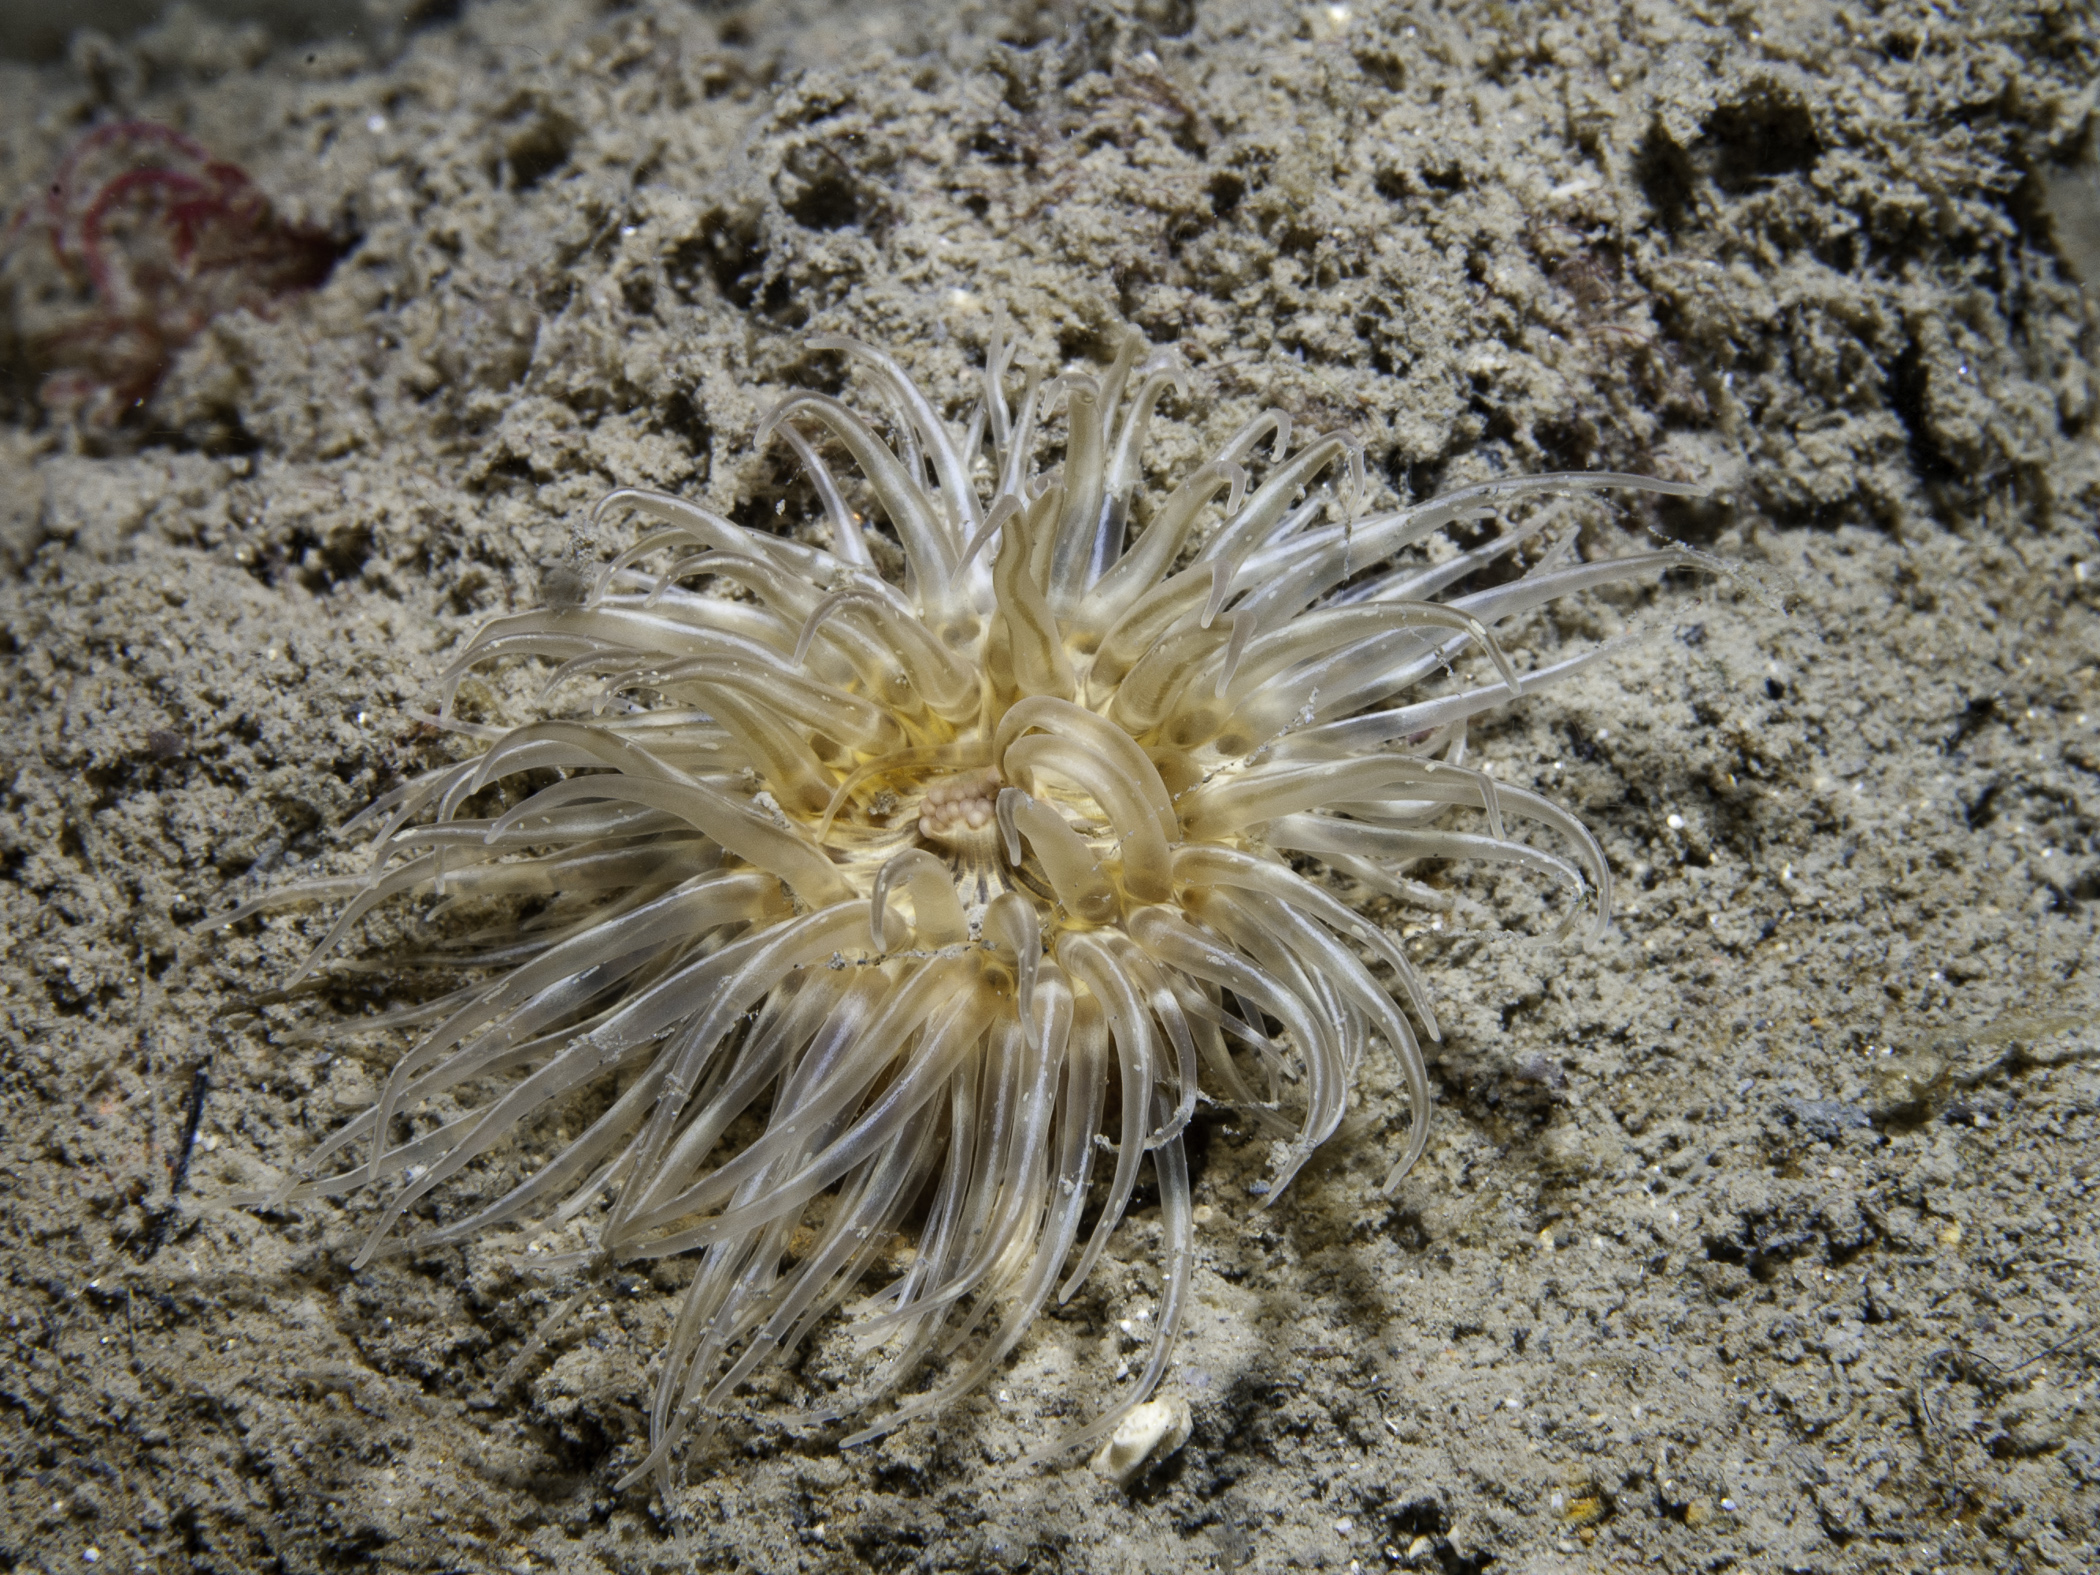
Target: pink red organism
[153, 238]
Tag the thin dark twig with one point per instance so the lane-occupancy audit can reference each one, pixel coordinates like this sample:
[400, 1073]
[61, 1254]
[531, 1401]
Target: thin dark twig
[1926, 1374]
[199, 1087]
[2077, 1338]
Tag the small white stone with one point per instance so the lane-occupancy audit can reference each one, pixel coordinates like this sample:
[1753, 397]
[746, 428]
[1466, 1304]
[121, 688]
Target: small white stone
[1156, 1428]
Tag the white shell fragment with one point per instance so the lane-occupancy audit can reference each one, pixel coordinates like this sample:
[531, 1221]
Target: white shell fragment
[1156, 1428]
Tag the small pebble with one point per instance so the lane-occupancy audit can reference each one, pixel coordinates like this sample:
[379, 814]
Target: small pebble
[1155, 1429]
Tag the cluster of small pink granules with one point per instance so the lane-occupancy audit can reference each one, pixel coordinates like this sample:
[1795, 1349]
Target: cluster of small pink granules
[153, 238]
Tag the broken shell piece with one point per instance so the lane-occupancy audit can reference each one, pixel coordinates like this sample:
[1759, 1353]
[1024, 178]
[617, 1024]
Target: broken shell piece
[1156, 1428]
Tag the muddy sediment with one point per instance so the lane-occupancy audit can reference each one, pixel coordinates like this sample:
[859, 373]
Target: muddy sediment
[1754, 1234]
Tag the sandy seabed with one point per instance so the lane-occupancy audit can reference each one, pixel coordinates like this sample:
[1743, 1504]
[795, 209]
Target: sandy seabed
[1755, 1235]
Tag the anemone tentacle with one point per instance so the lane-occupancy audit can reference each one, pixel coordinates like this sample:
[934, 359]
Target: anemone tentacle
[934, 901]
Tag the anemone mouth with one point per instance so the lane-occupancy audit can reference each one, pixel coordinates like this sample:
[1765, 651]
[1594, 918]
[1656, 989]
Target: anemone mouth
[936, 900]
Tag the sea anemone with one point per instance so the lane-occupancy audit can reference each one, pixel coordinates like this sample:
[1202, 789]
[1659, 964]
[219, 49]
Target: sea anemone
[924, 884]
